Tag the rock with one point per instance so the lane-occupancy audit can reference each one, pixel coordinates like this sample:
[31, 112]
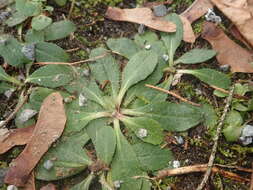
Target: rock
[160, 10]
[246, 137]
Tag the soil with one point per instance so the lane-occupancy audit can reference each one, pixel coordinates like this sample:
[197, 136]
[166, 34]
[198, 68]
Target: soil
[92, 31]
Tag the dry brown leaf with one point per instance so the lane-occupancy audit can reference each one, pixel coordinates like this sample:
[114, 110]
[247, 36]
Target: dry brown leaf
[197, 10]
[228, 52]
[153, 4]
[48, 129]
[240, 14]
[49, 186]
[15, 137]
[30, 185]
[140, 16]
[236, 33]
[189, 35]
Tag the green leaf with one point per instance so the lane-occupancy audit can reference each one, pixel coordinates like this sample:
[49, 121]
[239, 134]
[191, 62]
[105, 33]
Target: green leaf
[210, 76]
[152, 157]
[51, 76]
[196, 56]
[49, 52]
[85, 184]
[147, 37]
[123, 46]
[60, 2]
[5, 77]
[28, 7]
[16, 19]
[68, 158]
[140, 66]
[105, 144]
[59, 30]
[233, 127]
[173, 117]
[10, 47]
[125, 164]
[173, 40]
[210, 115]
[105, 68]
[40, 22]
[33, 36]
[148, 130]
[5, 86]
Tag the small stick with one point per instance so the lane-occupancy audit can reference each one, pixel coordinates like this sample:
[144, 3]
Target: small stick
[17, 108]
[72, 50]
[173, 94]
[227, 92]
[251, 181]
[216, 138]
[71, 8]
[73, 63]
[198, 168]
[248, 170]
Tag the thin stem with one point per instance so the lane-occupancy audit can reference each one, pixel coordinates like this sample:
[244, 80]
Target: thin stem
[216, 138]
[71, 8]
[131, 112]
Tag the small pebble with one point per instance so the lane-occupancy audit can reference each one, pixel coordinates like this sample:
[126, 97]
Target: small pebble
[82, 100]
[148, 46]
[175, 164]
[9, 92]
[29, 51]
[48, 164]
[179, 139]
[12, 187]
[26, 114]
[224, 68]
[117, 183]
[246, 137]
[165, 57]
[160, 10]
[142, 133]
[212, 17]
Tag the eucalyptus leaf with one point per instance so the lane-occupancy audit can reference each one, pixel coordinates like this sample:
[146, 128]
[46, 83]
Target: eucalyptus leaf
[173, 40]
[49, 52]
[210, 76]
[40, 22]
[105, 144]
[143, 62]
[125, 164]
[196, 56]
[105, 68]
[148, 130]
[85, 184]
[68, 158]
[123, 46]
[59, 30]
[152, 157]
[51, 76]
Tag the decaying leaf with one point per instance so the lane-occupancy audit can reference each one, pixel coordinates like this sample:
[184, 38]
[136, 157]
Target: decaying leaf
[228, 52]
[197, 10]
[30, 184]
[240, 13]
[236, 33]
[15, 137]
[188, 31]
[140, 16]
[48, 129]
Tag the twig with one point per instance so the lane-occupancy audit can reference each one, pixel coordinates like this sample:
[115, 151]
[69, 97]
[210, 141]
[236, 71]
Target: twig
[198, 168]
[248, 170]
[71, 8]
[251, 181]
[73, 63]
[227, 92]
[17, 108]
[72, 50]
[216, 138]
[173, 94]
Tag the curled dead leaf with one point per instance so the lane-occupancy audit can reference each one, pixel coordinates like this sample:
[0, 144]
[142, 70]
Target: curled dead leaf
[240, 13]
[228, 52]
[140, 16]
[188, 31]
[15, 137]
[48, 129]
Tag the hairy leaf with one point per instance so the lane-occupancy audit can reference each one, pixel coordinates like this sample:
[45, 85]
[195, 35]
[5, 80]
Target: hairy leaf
[29, 8]
[33, 36]
[85, 184]
[15, 19]
[210, 76]
[196, 56]
[40, 22]
[5, 77]
[51, 76]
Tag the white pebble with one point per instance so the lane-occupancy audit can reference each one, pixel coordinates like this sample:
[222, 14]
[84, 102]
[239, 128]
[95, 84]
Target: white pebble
[117, 183]
[142, 133]
[165, 57]
[148, 46]
[82, 100]
[12, 187]
[175, 164]
[26, 114]
[48, 164]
